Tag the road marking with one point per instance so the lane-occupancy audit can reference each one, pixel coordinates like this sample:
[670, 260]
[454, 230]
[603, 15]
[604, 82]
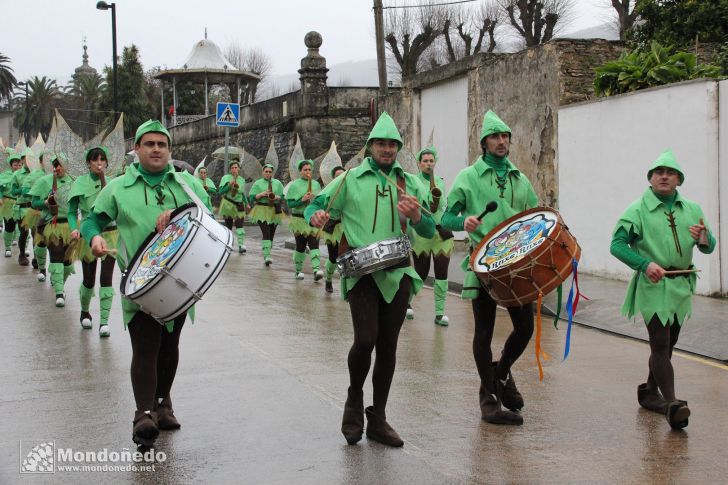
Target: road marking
[701, 360]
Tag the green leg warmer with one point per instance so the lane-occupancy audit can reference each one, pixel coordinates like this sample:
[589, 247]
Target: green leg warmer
[298, 259]
[68, 270]
[8, 238]
[330, 268]
[265, 245]
[315, 259]
[86, 294]
[40, 256]
[56, 271]
[240, 232]
[106, 296]
[440, 288]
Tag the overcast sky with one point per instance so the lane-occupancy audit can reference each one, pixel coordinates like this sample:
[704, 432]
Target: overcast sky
[44, 37]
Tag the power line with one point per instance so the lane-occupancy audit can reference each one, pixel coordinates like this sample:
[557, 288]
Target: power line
[429, 4]
[87, 110]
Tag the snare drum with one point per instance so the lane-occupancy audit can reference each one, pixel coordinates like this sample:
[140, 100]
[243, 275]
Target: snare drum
[373, 257]
[171, 271]
[527, 254]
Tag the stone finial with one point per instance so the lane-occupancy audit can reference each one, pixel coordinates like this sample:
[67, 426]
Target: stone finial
[313, 75]
[313, 40]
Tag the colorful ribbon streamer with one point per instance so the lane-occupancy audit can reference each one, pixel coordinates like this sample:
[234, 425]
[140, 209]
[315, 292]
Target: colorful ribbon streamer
[571, 303]
[560, 297]
[539, 350]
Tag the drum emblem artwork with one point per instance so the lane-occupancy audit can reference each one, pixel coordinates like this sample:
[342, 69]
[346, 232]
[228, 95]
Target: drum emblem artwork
[171, 271]
[526, 255]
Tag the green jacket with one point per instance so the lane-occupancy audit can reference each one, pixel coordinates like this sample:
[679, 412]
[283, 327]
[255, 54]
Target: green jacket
[226, 185]
[41, 190]
[647, 220]
[261, 185]
[296, 191]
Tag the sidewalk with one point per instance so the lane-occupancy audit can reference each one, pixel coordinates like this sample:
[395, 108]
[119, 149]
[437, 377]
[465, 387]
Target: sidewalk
[705, 333]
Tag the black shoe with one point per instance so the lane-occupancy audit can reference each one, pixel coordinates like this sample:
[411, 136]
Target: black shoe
[651, 399]
[329, 287]
[23, 259]
[166, 420]
[511, 397]
[379, 430]
[352, 423]
[492, 412]
[34, 263]
[677, 414]
[145, 429]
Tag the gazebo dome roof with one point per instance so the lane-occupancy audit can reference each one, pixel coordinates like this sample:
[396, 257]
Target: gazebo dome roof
[207, 55]
[207, 60]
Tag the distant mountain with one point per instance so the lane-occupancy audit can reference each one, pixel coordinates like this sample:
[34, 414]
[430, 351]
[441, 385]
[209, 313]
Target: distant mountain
[604, 31]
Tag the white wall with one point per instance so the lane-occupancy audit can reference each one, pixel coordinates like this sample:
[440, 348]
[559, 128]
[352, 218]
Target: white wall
[606, 148]
[723, 182]
[445, 107]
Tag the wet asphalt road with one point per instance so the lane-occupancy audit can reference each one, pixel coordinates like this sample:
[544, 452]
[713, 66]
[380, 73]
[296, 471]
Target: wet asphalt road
[262, 380]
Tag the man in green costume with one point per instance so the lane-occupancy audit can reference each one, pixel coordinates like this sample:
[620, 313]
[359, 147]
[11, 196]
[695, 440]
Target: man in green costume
[8, 201]
[492, 178]
[655, 237]
[33, 217]
[372, 209]
[141, 201]
[21, 206]
[298, 198]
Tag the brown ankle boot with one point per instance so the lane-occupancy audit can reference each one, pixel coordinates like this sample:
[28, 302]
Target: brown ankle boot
[352, 423]
[165, 415]
[651, 399]
[677, 414]
[492, 412]
[379, 430]
[145, 429]
[511, 398]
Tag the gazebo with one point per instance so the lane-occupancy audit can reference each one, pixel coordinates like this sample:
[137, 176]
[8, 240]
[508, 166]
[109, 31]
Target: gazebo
[207, 65]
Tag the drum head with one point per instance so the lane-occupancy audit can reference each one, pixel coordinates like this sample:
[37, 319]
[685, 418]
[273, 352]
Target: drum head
[513, 239]
[160, 250]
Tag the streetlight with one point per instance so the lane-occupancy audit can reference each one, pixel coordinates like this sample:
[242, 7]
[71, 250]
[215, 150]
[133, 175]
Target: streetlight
[105, 6]
[27, 113]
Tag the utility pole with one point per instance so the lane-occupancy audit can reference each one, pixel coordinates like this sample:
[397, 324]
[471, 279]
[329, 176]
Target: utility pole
[381, 59]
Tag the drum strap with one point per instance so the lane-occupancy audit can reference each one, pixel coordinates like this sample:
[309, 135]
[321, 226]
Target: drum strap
[201, 205]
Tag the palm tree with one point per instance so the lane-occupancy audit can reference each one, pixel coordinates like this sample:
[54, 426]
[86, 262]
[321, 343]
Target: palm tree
[43, 94]
[84, 95]
[7, 79]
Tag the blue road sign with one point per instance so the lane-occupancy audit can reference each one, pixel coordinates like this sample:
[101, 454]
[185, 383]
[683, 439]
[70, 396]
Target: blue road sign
[228, 114]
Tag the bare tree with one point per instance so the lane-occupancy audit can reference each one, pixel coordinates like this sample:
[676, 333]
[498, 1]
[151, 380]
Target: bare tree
[626, 16]
[409, 32]
[251, 59]
[471, 25]
[536, 21]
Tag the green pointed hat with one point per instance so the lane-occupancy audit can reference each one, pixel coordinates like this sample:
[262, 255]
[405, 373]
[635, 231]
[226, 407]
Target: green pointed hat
[667, 159]
[151, 126]
[425, 151]
[385, 129]
[493, 124]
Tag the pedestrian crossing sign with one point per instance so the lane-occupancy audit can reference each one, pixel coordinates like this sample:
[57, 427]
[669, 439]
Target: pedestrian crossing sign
[228, 114]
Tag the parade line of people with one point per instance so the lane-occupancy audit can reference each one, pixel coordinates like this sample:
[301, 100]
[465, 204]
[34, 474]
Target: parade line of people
[103, 221]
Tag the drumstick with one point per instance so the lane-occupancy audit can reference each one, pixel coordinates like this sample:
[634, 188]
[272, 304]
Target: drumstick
[682, 271]
[395, 184]
[332, 199]
[112, 251]
[491, 207]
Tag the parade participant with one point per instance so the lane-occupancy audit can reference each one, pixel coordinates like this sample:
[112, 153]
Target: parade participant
[266, 194]
[83, 193]
[492, 177]
[440, 246]
[31, 220]
[332, 232]
[21, 206]
[8, 201]
[49, 194]
[656, 236]
[300, 194]
[139, 201]
[207, 184]
[234, 203]
[372, 210]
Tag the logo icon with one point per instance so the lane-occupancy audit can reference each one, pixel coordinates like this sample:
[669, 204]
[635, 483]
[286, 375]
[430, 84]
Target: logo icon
[40, 459]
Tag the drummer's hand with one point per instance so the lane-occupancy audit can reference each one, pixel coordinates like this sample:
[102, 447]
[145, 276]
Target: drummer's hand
[409, 207]
[98, 246]
[654, 272]
[695, 230]
[75, 234]
[319, 218]
[163, 220]
[471, 223]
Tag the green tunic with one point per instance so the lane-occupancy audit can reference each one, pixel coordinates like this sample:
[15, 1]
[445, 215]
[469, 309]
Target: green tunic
[368, 207]
[229, 203]
[41, 190]
[84, 192]
[263, 209]
[434, 245]
[208, 185]
[473, 188]
[297, 225]
[16, 190]
[135, 205]
[647, 220]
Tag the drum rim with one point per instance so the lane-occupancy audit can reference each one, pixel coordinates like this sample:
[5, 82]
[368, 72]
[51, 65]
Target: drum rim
[341, 260]
[361, 248]
[513, 218]
[146, 243]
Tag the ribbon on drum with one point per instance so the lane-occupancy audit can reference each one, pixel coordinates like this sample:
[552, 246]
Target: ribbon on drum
[540, 352]
[571, 304]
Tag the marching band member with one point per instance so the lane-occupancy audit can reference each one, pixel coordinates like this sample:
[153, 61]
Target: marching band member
[8, 201]
[234, 203]
[141, 201]
[440, 246]
[83, 194]
[266, 194]
[372, 209]
[206, 182]
[492, 178]
[656, 236]
[31, 220]
[50, 195]
[332, 232]
[300, 194]
[21, 206]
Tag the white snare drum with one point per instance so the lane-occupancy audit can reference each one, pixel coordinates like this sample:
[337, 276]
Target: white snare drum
[373, 257]
[171, 271]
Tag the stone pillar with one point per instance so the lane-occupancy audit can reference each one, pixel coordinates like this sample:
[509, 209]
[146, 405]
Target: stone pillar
[314, 92]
